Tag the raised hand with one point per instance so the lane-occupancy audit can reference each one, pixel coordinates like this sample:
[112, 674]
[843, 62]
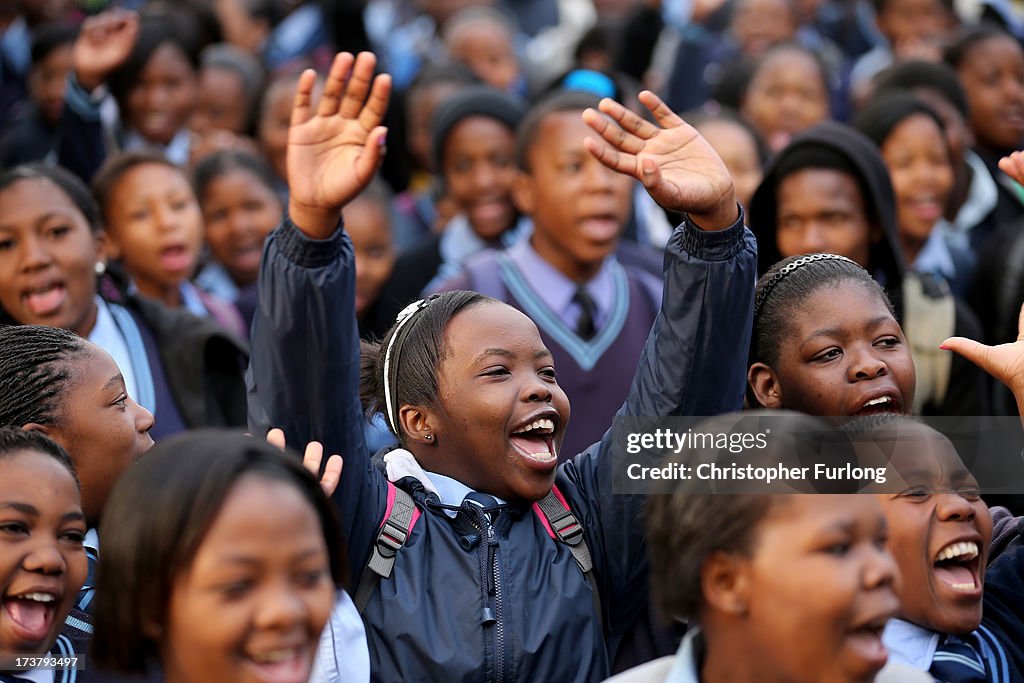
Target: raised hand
[1005, 362]
[104, 43]
[312, 459]
[1013, 166]
[678, 167]
[334, 151]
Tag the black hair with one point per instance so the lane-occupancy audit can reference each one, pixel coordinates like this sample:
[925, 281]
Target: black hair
[781, 292]
[48, 37]
[967, 39]
[35, 372]
[880, 5]
[684, 529]
[698, 119]
[154, 31]
[117, 166]
[556, 103]
[14, 440]
[416, 355]
[156, 519]
[883, 114]
[441, 73]
[222, 162]
[69, 184]
[918, 74]
[756, 65]
[505, 108]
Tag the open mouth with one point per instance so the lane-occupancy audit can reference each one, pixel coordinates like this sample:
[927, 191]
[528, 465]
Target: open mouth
[283, 665]
[534, 441]
[45, 300]
[600, 227]
[880, 405]
[866, 640]
[32, 613]
[957, 566]
[175, 258]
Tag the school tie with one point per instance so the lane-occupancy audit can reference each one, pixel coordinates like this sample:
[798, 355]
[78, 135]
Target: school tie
[956, 661]
[88, 590]
[585, 329]
[484, 503]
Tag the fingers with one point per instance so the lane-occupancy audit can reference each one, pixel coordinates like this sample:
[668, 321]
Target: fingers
[663, 114]
[1020, 324]
[1013, 166]
[358, 85]
[332, 475]
[629, 121]
[313, 456]
[275, 437]
[377, 105]
[614, 135]
[610, 157]
[976, 352]
[366, 163]
[330, 100]
[302, 105]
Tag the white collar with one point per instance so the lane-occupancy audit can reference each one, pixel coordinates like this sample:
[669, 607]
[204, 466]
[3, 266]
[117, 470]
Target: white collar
[685, 667]
[400, 463]
[910, 644]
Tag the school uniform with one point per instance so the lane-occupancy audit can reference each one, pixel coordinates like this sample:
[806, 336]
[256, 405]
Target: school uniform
[514, 605]
[684, 667]
[62, 648]
[595, 370]
[184, 369]
[839, 147]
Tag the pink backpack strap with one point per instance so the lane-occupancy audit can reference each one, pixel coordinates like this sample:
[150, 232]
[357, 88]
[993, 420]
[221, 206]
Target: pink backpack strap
[400, 516]
[562, 525]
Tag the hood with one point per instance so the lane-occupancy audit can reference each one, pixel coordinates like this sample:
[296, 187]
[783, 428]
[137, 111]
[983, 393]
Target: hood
[854, 153]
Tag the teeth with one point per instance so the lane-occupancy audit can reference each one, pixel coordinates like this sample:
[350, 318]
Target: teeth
[878, 401]
[962, 551]
[37, 597]
[546, 424]
[273, 656]
[963, 586]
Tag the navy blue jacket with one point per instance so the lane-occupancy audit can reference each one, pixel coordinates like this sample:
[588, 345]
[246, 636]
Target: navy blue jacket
[424, 623]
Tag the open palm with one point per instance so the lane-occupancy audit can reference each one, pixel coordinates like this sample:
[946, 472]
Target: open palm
[679, 168]
[334, 151]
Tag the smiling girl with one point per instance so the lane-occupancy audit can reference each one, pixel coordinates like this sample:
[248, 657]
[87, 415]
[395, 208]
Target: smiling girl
[470, 390]
[42, 559]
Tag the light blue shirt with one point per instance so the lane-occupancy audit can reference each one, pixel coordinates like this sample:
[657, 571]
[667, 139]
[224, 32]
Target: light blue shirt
[107, 335]
[556, 291]
[452, 491]
[910, 644]
[343, 655]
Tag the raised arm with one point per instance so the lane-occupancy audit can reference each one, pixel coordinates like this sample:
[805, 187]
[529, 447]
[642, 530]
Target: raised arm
[694, 362]
[304, 369]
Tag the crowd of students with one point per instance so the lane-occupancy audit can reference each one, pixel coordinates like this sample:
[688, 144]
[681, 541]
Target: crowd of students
[454, 243]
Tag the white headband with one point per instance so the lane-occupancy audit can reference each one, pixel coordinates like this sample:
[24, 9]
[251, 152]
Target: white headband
[404, 316]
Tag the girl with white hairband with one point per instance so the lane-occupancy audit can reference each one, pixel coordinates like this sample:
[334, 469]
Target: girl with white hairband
[472, 584]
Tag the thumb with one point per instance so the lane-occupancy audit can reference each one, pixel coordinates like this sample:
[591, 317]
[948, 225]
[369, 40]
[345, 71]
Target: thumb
[974, 351]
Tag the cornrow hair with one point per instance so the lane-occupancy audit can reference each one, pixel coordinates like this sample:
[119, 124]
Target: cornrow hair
[35, 370]
[770, 280]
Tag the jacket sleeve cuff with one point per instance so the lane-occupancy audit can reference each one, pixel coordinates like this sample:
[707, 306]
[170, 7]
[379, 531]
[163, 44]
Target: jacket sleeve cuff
[712, 245]
[306, 252]
[84, 104]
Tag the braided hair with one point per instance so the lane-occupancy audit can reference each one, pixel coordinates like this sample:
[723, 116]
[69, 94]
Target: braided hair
[35, 370]
[782, 290]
